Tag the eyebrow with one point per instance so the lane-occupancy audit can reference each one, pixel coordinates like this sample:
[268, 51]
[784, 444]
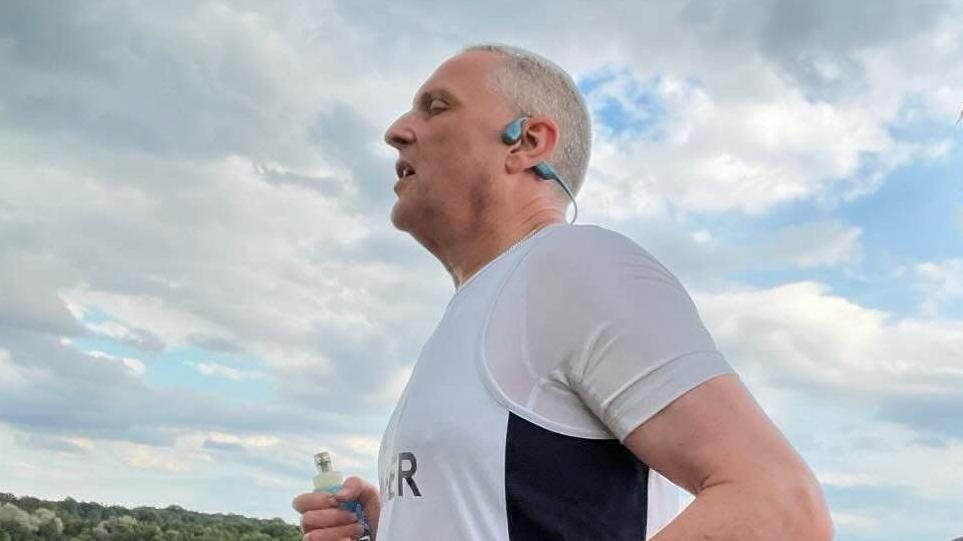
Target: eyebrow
[424, 100]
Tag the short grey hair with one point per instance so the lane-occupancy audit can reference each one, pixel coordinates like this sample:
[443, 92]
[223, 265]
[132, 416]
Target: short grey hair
[534, 85]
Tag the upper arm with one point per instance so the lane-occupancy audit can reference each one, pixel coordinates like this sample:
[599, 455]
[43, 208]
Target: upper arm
[618, 325]
[631, 345]
[716, 433]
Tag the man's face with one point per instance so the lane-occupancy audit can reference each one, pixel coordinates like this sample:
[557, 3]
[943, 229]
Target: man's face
[451, 137]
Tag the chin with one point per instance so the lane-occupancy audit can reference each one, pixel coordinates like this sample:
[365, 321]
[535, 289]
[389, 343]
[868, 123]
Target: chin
[414, 217]
[399, 224]
[400, 217]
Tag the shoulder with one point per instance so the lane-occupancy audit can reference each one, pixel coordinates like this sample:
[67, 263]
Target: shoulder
[588, 237]
[587, 253]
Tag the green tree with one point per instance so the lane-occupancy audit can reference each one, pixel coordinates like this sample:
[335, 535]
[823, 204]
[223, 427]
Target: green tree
[30, 519]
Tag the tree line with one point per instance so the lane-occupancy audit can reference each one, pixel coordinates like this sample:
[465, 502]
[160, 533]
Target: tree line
[31, 519]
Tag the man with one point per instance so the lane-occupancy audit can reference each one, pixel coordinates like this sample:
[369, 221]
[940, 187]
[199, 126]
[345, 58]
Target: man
[570, 377]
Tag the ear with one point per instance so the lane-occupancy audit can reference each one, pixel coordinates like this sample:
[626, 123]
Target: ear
[537, 144]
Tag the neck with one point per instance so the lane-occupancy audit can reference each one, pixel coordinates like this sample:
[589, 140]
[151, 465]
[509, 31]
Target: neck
[468, 255]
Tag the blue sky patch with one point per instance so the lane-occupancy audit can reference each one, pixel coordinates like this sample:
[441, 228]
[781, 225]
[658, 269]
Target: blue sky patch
[178, 368]
[624, 105]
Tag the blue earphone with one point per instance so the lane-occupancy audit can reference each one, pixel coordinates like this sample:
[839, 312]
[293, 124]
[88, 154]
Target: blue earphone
[511, 135]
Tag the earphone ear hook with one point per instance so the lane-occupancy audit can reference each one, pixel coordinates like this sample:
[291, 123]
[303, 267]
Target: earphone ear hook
[513, 131]
[511, 135]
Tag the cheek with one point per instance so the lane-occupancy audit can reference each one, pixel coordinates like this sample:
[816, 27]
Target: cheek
[459, 157]
[468, 157]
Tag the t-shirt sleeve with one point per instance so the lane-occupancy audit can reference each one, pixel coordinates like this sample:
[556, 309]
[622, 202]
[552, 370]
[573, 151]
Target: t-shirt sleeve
[627, 336]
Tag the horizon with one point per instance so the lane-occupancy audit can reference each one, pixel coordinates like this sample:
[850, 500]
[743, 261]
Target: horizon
[166, 507]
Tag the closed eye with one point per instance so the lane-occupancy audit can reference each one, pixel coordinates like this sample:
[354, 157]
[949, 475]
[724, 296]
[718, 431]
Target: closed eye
[433, 109]
[433, 102]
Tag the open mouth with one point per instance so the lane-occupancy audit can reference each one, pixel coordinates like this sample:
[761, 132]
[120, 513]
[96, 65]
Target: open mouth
[404, 169]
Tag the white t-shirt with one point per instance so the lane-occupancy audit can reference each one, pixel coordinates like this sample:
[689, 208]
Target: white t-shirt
[510, 426]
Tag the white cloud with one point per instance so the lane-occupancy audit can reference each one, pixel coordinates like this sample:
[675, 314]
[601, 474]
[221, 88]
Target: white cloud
[220, 370]
[846, 479]
[702, 236]
[365, 445]
[150, 458]
[808, 245]
[747, 153]
[135, 366]
[854, 521]
[121, 333]
[681, 244]
[83, 443]
[111, 329]
[10, 374]
[196, 440]
[803, 334]
[939, 282]
[174, 326]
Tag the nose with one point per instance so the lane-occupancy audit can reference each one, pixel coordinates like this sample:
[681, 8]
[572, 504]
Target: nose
[399, 133]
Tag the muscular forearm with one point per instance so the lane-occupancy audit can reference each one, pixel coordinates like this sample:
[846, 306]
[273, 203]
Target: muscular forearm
[747, 512]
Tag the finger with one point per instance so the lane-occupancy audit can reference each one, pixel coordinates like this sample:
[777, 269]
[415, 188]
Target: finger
[313, 500]
[350, 532]
[368, 494]
[326, 518]
[350, 489]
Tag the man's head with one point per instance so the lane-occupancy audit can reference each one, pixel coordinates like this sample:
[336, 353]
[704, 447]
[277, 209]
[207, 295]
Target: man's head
[465, 178]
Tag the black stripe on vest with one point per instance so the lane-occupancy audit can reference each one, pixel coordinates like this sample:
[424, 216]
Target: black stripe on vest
[560, 487]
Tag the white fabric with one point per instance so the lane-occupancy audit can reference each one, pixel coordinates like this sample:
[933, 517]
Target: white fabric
[577, 330]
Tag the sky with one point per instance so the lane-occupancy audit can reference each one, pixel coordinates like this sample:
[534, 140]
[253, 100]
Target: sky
[200, 286]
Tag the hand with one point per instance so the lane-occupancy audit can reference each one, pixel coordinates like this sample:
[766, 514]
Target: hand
[323, 520]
